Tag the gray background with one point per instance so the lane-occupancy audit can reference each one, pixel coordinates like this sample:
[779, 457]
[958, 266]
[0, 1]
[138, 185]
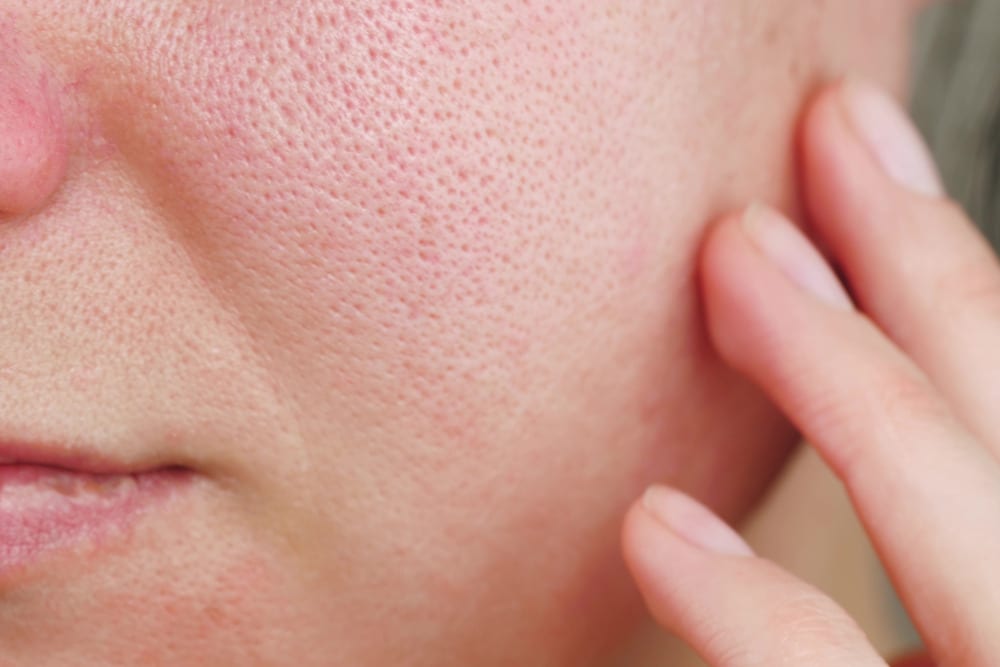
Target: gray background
[956, 102]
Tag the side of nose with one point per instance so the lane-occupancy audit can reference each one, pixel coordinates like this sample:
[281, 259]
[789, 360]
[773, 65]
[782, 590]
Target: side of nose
[33, 137]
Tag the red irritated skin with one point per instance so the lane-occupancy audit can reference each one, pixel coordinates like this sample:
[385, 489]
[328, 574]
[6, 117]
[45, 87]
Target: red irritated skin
[407, 286]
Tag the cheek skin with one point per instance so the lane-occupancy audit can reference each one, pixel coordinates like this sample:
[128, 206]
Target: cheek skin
[424, 298]
[427, 201]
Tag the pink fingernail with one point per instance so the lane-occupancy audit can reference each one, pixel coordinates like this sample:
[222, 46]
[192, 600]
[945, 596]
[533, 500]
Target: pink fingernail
[694, 522]
[789, 249]
[892, 137]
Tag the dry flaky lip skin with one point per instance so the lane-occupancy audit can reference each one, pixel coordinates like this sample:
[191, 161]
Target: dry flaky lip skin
[45, 509]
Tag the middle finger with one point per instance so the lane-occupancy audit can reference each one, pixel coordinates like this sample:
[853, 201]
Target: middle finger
[918, 266]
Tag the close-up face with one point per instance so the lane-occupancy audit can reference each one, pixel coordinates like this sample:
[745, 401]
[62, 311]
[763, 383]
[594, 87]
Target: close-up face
[389, 308]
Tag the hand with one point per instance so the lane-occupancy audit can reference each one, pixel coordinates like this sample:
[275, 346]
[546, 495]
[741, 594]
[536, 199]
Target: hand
[899, 394]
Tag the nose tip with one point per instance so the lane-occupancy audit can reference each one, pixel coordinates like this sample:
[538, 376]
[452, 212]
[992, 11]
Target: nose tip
[33, 151]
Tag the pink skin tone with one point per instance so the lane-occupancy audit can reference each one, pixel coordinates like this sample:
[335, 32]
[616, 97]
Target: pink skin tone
[409, 287]
[893, 384]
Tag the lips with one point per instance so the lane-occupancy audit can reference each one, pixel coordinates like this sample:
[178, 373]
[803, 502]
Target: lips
[56, 500]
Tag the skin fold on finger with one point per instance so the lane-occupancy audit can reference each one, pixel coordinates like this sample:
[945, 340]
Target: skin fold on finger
[738, 611]
[915, 263]
[925, 490]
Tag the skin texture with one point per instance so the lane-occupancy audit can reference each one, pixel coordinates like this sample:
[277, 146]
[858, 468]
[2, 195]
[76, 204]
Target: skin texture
[888, 371]
[408, 285]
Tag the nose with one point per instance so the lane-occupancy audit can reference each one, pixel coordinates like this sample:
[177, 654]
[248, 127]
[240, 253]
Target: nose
[33, 137]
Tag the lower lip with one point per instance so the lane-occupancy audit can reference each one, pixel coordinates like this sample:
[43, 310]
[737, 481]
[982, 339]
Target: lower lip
[45, 509]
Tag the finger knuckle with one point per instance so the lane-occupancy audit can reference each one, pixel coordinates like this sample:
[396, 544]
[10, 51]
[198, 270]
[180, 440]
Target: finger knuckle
[972, 284]
[903, 397]
[891, 403]
[719, 644]
[902, 406]
[811, 624]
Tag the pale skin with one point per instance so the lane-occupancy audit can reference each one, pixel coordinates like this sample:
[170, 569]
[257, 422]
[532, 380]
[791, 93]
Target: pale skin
[409, 287]
[896, 391]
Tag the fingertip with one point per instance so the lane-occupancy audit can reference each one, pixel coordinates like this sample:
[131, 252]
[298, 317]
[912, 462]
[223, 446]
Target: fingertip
[744, 295]
[723, 254]
[647, 543]
[630, 531]
[823, 108]
[641, 557]
[857, 142]
[829, 149]
[714, 256]
[726, 266]
[884, 127]
[656, 559]
[842, 185]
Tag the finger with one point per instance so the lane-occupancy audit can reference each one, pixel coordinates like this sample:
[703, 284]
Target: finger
[701, 582]
[916, 264]
[927, 493]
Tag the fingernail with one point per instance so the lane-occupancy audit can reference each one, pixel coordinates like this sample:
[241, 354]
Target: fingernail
[892, 137]
[789, 249]
[693, 522]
